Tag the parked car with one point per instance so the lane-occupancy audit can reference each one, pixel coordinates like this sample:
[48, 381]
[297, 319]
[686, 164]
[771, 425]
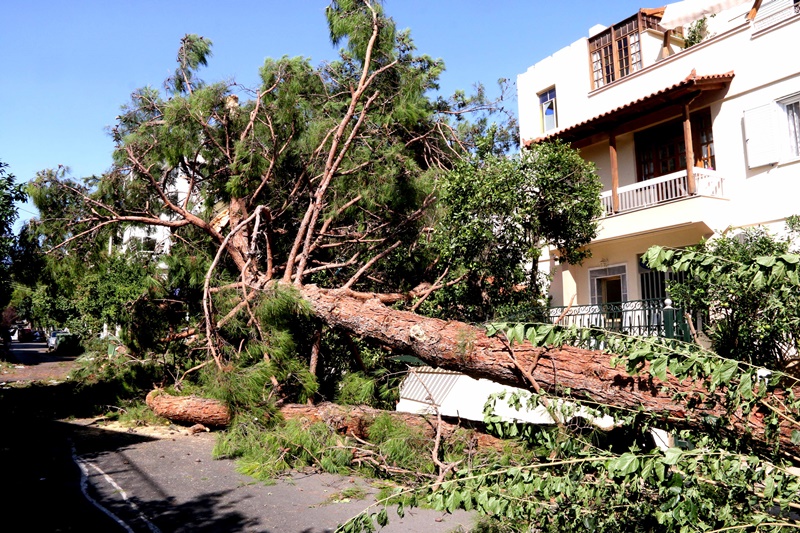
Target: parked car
[38, 336]
[52, 339]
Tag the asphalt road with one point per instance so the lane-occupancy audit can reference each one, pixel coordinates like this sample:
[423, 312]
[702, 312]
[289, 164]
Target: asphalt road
[72, 474]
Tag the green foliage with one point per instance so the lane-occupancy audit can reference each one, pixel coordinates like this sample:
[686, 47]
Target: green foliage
[10, 194]
[580, 478]
[749, 286]
[497, 215]
[696, 32]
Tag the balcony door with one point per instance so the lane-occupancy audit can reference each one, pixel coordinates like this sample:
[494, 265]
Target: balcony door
[661, 150]
[608, 285]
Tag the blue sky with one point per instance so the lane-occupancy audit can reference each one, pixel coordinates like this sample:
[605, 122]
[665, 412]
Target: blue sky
[66, 66]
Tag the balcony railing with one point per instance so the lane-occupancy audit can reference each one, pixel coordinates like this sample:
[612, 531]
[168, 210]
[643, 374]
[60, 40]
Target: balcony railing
[662, 189]
[651, 318]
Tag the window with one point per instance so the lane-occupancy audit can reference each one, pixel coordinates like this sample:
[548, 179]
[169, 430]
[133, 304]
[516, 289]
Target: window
[793, 119]
[608, 284]
[547, 105]
[616, 52]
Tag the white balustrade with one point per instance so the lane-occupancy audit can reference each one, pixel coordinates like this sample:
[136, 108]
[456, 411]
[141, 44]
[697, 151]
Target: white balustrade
[662, 189]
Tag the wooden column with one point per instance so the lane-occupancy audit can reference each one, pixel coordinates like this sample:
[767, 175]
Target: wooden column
[687, 139]
[612, 152]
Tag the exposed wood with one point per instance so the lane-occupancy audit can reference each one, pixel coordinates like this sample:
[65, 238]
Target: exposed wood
[612, 152]
[189, 409]
[751, 15]
[588, 374]
[687, 137]
[351, 420]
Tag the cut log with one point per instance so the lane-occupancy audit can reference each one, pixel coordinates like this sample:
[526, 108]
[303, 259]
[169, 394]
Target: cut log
[351, 420]
[189, 409]
[588, 374]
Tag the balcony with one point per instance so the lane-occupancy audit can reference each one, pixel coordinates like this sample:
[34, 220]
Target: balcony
[650, 318]
[663, 189]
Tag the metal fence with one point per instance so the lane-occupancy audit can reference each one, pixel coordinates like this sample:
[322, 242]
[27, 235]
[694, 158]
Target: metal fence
[636, 317]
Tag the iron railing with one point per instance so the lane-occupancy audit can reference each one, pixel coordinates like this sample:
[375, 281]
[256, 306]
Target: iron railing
[655, 317]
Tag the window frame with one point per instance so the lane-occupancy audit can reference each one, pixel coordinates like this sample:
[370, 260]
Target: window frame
[548, 97]
[790, 109]
[612, 271]
[616, 52]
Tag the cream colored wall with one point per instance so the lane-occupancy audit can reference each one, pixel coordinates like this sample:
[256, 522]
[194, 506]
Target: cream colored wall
[756, 59]
[626, 252]
[570, 84]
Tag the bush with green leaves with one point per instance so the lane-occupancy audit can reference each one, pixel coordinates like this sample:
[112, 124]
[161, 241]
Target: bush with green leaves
[747, 283]
[497, 213]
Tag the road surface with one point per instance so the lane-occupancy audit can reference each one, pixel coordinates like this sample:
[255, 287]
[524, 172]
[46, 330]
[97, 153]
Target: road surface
[75, 475]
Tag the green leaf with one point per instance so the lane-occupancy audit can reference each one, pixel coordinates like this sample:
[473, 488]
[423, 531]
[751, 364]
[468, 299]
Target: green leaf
[746, 387]
[519, 332]
[382, 518]
[766, 260]
[672, 456]
[758, 281]
[795, 437]
[625, 464]
[658, 368]
[726, 371]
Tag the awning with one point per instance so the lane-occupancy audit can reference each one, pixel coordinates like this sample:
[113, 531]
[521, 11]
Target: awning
[681, 13]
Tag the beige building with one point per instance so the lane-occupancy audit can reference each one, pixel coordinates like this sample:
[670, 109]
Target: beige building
[688, 141]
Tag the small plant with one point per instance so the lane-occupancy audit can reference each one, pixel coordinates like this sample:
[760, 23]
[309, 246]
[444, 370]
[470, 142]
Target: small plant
[696, 32]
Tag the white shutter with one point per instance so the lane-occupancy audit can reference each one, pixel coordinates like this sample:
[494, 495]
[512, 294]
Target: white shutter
[761, 139]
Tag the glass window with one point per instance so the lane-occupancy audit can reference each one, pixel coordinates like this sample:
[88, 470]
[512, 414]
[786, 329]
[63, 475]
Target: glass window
[793, 119]
[547, 105]
[616, 52]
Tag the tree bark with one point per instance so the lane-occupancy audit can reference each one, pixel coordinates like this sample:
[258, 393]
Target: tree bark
[588, 374]
[352, 420]
[189, 409]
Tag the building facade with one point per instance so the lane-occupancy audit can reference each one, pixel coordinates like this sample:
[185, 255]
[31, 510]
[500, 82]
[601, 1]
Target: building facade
[689, 141]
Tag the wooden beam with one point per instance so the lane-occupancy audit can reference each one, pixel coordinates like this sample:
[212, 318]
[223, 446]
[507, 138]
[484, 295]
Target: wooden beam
[612, 152]
[687, 139]
[754, 10]
[665, 44]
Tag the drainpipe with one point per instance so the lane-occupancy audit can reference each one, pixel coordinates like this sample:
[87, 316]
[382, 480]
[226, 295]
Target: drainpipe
[612, 149]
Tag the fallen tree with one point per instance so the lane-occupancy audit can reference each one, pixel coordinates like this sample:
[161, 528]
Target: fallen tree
[339, 207]
[584, 374]
[595, 376]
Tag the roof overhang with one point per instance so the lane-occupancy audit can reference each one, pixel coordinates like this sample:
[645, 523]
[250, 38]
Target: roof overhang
[668, 101]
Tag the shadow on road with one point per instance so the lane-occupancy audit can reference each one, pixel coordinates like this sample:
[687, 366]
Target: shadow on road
[42, 481]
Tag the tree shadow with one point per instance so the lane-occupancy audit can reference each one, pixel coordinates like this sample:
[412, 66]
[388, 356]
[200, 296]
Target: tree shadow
[43, 481]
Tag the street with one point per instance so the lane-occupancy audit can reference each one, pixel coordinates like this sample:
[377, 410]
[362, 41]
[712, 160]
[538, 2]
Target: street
[64, 471]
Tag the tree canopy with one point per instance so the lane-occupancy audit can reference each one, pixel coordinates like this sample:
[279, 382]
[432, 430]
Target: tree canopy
[10, 194]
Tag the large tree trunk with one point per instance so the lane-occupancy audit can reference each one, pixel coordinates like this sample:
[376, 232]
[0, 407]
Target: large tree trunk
[588, 374]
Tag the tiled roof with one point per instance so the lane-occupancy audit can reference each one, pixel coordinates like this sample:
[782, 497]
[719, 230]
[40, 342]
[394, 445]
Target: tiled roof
[650, 103]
